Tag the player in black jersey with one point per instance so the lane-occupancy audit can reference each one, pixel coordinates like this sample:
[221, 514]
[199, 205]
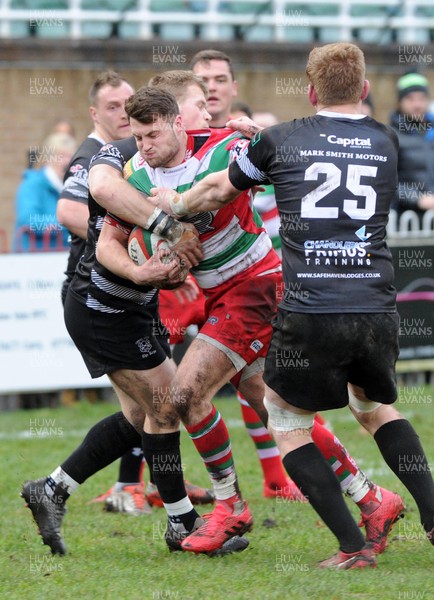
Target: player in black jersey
[337, 326]
[116, 434]
[112, 252]
[379, 510]
[107, 97]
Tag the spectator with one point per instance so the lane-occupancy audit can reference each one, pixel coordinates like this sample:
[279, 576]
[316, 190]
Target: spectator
[63, 126]
[414, 125]
[37, 227]
[58, 126]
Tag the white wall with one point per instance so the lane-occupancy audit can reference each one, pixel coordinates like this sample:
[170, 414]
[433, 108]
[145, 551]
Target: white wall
[36, 352]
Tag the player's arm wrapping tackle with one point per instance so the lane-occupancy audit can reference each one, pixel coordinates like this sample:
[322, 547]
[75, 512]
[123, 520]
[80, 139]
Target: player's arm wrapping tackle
[212, 193]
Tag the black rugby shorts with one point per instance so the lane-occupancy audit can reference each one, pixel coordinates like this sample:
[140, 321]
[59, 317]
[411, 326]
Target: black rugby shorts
[135, 339]
[312, 357]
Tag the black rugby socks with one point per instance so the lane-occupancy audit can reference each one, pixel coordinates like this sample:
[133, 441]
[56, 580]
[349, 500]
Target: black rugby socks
[131, 465]
[106, 441]
[400, 446]
[163, 455]
[316, 480]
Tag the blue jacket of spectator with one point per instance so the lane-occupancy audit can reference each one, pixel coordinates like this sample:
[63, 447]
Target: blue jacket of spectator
[415, 160]
[35, 209]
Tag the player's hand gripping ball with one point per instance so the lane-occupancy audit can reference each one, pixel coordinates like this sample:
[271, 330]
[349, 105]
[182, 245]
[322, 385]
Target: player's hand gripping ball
[142, 245]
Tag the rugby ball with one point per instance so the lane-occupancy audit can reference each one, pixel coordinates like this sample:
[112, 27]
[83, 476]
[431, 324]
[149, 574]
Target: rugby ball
[143, 244]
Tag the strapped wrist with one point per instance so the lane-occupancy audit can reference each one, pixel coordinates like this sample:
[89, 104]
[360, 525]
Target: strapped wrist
[178, 205]
[155, 219]
[163, 224]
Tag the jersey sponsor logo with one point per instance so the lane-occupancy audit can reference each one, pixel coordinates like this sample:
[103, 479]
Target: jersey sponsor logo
[145, 347]
[256, 346]
[336, 253]
[362, 235]
[333, 244]
[352, 142]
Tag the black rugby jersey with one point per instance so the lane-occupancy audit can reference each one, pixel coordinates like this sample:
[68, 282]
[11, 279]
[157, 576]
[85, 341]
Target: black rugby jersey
[334, 178]
[93, 284]
[76, 188]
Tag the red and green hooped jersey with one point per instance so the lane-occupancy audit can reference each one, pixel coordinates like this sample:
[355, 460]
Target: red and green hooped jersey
[265, 204]
[233, 237]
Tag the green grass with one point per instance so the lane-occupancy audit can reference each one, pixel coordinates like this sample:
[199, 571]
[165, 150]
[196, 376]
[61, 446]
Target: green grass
[120, 557]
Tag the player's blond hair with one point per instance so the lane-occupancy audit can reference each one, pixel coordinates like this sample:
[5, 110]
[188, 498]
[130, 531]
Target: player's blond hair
[57, 144]
[337, 72]
[177, 83]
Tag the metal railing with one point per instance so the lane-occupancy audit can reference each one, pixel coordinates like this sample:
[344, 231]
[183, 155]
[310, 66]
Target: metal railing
[26, 240]
[411, 225]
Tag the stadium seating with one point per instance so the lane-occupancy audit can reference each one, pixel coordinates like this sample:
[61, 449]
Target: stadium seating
[366, 21]
[35, 5]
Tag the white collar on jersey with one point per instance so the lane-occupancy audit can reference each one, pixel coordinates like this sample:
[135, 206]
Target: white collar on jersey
[338, 115]
[98, 139]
